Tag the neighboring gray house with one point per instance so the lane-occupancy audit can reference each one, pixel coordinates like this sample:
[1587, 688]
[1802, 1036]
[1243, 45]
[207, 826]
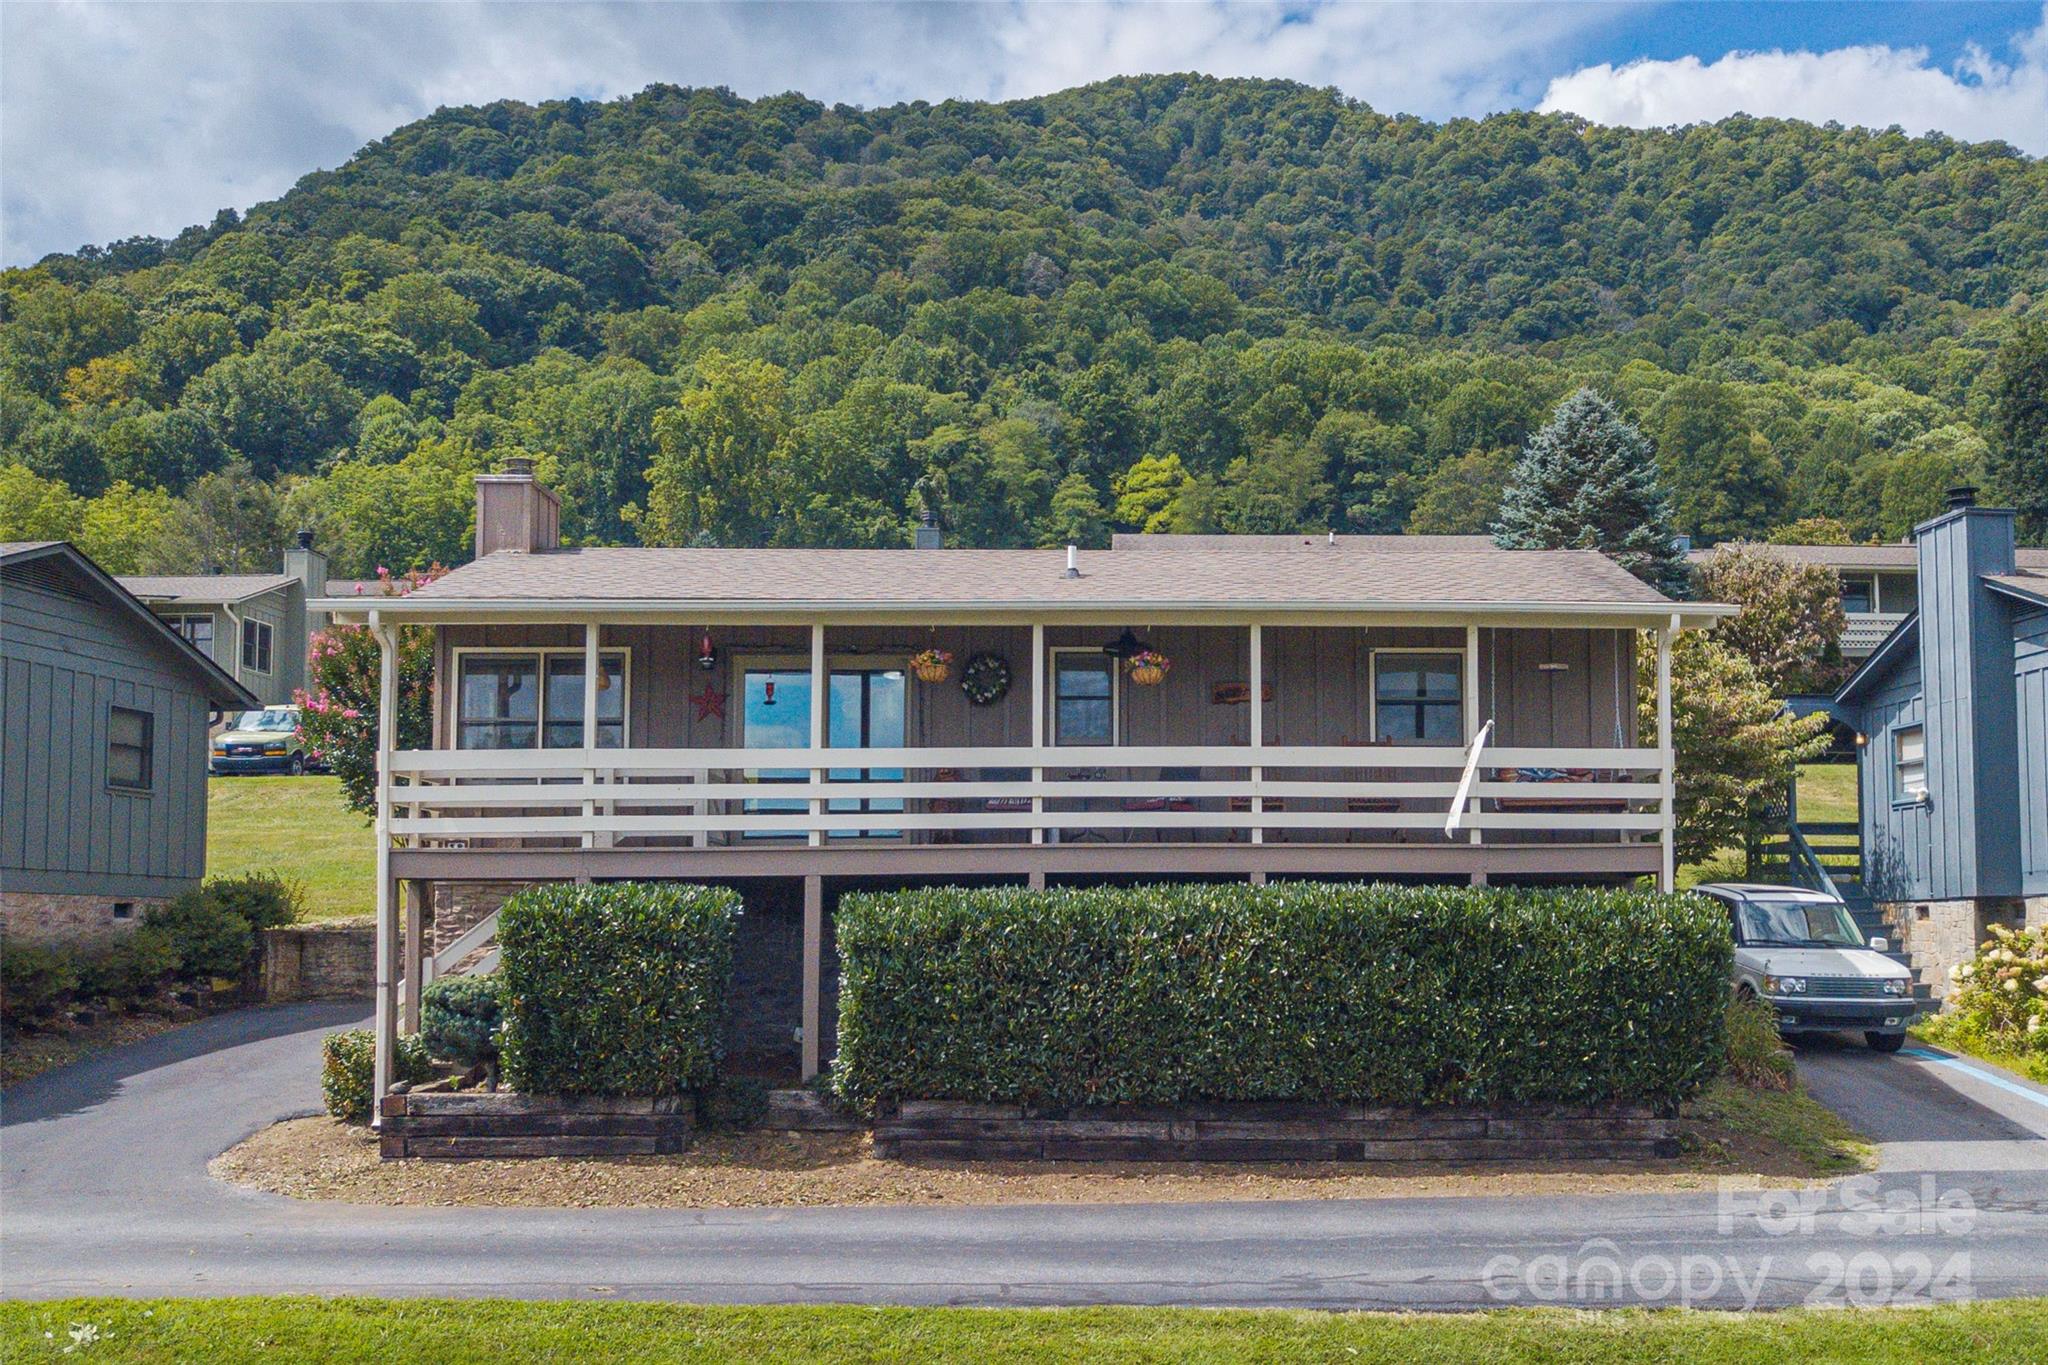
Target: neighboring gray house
[1880, 584]
[255, 626]
[103, 756]
[1951, 718]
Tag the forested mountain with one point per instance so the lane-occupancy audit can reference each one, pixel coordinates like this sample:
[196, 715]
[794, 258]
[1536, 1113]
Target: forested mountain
[1154, 302]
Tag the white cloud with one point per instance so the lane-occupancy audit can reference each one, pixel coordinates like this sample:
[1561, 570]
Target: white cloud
[119, 119]
[1977, 99]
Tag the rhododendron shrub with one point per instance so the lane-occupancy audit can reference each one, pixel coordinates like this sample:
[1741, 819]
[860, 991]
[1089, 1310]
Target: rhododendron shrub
[338, 714]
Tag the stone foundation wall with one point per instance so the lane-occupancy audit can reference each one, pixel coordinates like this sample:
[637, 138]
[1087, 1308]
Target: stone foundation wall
[457, 906]
[1939, 935]
[319, 962]
[43, 917]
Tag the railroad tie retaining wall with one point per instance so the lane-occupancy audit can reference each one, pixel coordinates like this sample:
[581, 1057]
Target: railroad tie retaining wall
[1272, 1132]
[465, 1125]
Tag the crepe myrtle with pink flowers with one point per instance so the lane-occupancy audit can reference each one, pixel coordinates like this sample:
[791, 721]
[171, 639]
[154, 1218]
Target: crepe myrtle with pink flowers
[338, 715]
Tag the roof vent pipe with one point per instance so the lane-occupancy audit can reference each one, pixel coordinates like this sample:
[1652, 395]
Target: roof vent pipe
[1073, 561]
[1962, 495]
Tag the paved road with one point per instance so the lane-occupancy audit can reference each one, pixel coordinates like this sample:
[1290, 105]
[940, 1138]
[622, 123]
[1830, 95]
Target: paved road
[104, 1190]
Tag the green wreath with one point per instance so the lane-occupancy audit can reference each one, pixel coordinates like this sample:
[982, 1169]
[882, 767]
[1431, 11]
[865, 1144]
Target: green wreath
[985, 679]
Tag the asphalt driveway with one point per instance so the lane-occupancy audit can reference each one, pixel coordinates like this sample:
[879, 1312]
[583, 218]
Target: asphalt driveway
[103, 1189]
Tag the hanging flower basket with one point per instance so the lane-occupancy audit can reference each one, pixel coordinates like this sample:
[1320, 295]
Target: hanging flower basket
[932, 665]
[1148, 667]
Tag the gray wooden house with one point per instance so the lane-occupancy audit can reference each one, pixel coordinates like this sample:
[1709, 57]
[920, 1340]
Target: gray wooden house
[784, 718]
[103, 755]
[257, 627]
[1951, 719]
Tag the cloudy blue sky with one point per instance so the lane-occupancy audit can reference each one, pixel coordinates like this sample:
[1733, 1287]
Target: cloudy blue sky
[119, 119]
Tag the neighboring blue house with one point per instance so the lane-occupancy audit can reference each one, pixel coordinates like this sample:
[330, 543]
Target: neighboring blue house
[1951, 716]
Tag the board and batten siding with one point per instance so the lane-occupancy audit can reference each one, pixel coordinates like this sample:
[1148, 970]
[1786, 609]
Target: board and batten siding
[64, 662]
[1896, 832]
[2030, 682]
[1320, 679]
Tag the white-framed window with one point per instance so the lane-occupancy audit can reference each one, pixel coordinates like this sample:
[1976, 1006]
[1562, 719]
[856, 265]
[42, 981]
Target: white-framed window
[1084, 697]
[1418, 696]
[1909, 763]
[533, 698]
[1859, 594]
[131, 749]
[256, 640]
[196, 630]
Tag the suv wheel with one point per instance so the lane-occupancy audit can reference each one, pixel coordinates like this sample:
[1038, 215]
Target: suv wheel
[298, 765]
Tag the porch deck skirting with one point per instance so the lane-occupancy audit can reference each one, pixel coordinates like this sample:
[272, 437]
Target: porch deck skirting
[933, 1130]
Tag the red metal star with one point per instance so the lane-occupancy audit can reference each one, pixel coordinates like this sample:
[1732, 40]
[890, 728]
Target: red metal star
[709, 703]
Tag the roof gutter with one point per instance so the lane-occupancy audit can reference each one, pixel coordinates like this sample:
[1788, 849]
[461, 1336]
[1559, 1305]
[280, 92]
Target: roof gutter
[1694, 615]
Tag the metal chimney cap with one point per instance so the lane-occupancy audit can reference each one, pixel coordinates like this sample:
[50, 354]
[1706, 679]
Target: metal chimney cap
[1962, 495]
[519, 464]
[305, 540]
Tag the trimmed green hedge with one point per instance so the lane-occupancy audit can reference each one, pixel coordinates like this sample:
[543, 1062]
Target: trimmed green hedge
[1300, 991]
[616, 988]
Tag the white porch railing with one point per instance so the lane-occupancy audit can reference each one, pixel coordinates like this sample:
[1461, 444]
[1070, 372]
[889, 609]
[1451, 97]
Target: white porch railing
[702, 797]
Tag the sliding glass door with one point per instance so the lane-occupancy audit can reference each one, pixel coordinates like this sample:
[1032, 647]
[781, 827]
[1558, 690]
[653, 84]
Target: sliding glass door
[864, 711]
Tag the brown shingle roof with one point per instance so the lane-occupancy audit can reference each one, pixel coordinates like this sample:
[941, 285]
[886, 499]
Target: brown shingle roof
[204, 587]
[1009, 578]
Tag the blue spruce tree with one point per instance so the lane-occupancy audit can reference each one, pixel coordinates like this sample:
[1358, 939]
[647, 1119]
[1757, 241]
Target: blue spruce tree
[1588, 481]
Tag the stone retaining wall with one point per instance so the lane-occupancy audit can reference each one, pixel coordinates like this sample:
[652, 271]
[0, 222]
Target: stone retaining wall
[927, 1129]
[319, 962]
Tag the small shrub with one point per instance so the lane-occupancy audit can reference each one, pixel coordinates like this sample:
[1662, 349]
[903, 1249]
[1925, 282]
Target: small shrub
[732, 1104]
[34, 979]
[348, 1070]
[130, 967]
[264, 900]
[1424, 996]
[1757, 1055]
[208, 939]
[460, 1017]
[615, 988]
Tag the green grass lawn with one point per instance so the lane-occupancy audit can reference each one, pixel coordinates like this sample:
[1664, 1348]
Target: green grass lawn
[499, 1332]
[1827, 793]
[296, 826]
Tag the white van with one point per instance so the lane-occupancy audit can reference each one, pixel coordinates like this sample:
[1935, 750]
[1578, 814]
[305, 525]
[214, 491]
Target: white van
[1800, 950]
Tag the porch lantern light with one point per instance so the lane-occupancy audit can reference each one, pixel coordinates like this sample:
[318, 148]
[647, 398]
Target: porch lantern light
[1124, 646]
[707, 653]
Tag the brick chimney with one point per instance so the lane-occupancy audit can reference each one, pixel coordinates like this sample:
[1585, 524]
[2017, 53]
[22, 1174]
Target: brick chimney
[513, 512]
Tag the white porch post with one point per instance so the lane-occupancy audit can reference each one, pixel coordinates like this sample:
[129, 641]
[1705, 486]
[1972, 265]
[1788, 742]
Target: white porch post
[1667, 875]
[590, 677]
[1258, 705]
[1472, 716]
[1037, 733]
[820, 707]
[387, 900]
